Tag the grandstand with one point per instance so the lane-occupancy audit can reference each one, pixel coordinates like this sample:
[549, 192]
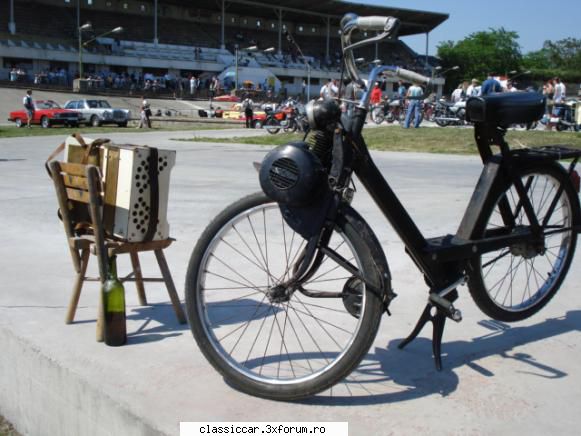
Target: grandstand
[174, 39]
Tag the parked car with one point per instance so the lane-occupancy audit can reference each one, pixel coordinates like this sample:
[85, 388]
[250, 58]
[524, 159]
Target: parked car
[227, 98]
[98, 112]
[235, 112]
[47, 113]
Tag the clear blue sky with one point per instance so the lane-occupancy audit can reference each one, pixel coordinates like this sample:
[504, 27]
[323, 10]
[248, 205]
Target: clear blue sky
[533, 20]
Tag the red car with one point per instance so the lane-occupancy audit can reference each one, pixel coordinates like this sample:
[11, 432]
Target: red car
[47, 113]
[227, 98]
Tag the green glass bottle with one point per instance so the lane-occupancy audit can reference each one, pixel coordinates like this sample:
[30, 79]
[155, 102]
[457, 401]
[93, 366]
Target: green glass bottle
[114, 307]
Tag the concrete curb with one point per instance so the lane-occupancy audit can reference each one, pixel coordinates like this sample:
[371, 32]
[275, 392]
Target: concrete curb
[31, 381]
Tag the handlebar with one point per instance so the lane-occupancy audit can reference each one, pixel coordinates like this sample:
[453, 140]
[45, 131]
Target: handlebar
[412, 76]
[389, 27]
[375, 22]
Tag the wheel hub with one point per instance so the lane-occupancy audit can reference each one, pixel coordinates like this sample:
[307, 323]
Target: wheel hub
[530, 248]
[353, 296]
[279, 294]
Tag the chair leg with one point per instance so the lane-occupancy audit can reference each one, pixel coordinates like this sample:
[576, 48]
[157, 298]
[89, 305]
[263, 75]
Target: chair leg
[100, 333]
[138, 278]
[84, 261]
[171, 289]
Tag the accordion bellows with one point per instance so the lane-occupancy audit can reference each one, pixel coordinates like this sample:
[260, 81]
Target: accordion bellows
[136, 189]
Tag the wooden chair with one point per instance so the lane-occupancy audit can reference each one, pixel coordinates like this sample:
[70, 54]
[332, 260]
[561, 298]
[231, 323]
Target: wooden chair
[77, 185]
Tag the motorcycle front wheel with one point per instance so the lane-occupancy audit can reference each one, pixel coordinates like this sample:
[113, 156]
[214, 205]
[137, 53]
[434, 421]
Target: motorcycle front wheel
[272, 126]
[266, 340]
[377, 115]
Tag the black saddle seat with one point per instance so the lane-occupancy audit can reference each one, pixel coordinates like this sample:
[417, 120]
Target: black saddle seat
[506, 108]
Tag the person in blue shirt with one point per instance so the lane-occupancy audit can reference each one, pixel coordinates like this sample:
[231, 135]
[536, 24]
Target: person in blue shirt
[401, 90]
[414, 95]
[490, 85]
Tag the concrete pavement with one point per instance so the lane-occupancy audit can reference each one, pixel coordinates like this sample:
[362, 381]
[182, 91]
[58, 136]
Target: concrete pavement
[523, 378]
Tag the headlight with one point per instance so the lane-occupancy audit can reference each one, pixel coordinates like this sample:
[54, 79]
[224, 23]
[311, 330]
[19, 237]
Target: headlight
[323, 113]
[107, 115]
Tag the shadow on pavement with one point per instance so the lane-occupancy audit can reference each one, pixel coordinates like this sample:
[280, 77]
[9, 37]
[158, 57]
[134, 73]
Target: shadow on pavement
[390, 375]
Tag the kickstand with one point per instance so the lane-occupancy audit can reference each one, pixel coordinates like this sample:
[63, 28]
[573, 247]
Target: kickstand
[438, 323]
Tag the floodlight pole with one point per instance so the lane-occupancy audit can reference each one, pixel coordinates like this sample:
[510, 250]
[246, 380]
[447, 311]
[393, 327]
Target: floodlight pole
[236, 75]
[11, 23]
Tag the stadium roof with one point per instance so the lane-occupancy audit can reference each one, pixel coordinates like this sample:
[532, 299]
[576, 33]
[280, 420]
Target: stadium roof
[308, 11]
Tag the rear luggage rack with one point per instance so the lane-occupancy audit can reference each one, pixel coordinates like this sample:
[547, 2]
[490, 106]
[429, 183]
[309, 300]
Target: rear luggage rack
[556, 152]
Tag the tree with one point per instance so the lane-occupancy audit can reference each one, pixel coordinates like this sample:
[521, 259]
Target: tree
[479, 54]
[560, 58]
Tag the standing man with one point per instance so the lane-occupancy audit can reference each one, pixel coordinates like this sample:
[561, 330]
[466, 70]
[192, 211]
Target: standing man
[375, 97]
[473, 90]
[414, 96]
[490, 85]
[401, 91]
[213, 88]
[329, 90]
[558, 100]
[247, 105]
[144, 114]
[28, 107]
[560, 91]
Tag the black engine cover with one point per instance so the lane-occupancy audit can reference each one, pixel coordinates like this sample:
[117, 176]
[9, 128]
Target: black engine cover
[292, 175]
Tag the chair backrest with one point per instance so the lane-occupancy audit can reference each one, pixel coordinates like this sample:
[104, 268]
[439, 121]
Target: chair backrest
[79, 194]
[72, 188]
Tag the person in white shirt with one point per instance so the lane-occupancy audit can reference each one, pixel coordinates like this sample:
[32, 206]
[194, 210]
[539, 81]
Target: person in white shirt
[560, 91]
[457, 94]
[247, 106]
[28, 107]
[473, 90]
[510, 87]
[330, 89]
[144, 114]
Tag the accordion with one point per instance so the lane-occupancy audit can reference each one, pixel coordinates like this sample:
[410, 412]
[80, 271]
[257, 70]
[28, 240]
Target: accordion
[136, 187]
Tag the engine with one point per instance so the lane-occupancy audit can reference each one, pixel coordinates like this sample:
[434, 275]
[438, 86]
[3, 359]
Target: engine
[292, 175]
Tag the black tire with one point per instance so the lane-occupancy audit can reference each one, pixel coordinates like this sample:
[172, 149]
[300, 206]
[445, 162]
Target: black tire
[272, 126]
[123, 124]
[440, 113]
[291, 126]
[532, 125]
[95, 121]
[257, 124]
[377, 115]
[18, 122]
[513, 283]
[226, 262]
[401, 117]
[45, 122]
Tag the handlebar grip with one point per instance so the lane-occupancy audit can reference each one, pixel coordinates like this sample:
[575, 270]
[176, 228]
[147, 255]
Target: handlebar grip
[412, 76]
[372, 23]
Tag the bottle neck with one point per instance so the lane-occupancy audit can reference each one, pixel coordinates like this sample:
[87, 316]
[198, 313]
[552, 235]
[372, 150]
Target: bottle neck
[112, 271]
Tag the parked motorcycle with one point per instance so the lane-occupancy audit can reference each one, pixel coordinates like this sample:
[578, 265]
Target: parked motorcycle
[450, 114]
[566, 119]
[388, 110]
[289, 117]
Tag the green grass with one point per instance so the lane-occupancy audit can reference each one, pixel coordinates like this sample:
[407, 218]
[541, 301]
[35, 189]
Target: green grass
[6, 429]
[447, 140]
[13, 132]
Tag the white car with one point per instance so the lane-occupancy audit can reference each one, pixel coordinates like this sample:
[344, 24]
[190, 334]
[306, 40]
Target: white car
[99, 112]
